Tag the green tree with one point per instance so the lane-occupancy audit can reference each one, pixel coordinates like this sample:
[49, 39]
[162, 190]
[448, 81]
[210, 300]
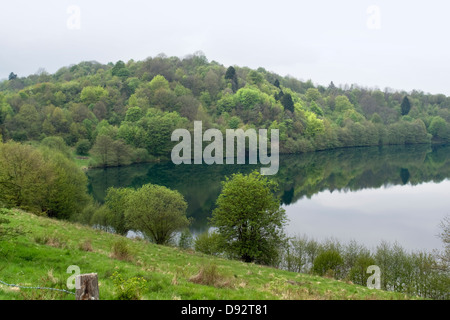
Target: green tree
[121, 153]
[102, 149]
[24, 177]
[438, 127]
[328, 261]
[57, 143]
[157, 212]
[287, 102]
[249, 218]
[234, 122]
[82, 147]
[12, 76]
[90, 95]
[342, 103]
[116, 202]
[66, 195]
[133, 114]
[120, 70]
[231, 75]
[405, 106]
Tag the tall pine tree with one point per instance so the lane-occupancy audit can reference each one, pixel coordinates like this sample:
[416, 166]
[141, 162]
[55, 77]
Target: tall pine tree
[405, 106]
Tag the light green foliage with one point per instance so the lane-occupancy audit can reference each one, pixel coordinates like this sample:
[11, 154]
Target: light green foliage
[316, 109]
[328, 263]
[42, 180]
[342, 103]
[57, 143]
[234, 122]
[438, 127]
[134, 114]
[159, 82]
[156, 211]
[93, 94]
[67, 194]
[226, 104]
[128, 289]
[313, 94]
[248, 97]
[91, 99]
[249, 218]
[153, 131]
[313, 124]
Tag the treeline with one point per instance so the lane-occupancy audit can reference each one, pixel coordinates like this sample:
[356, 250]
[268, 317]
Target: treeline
[298, 176]
[422, 274]
[139, 104]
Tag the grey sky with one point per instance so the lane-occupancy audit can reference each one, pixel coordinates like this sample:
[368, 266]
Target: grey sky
[319, 40]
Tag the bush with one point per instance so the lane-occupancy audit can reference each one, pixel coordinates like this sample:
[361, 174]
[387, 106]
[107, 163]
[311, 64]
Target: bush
[83, 146]
[121, 250]
[358, 273]
[130, 289]
[208, 243]
[328, 263]
[186, 240]
[209, 275]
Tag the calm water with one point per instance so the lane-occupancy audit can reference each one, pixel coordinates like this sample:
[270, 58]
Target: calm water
[395, 193]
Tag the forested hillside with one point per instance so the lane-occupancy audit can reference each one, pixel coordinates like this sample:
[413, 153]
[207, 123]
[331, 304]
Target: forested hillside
[125, 112]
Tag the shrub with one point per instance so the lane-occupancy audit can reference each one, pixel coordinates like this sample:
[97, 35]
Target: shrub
[186, 240]
[358, 273]
[327, 261]
[83, 146]
[86, 245]
[208, 243]
[130, 289]
[209, 275]
[121, 251]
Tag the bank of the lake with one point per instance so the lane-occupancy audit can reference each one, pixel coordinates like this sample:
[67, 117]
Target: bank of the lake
[369, 194]
[41, 249]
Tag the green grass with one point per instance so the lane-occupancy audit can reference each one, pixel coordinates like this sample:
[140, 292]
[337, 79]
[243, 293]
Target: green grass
[82, 161]
[42, 250]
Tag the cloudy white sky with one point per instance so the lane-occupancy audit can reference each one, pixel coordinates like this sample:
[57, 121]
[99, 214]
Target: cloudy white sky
[397, 44]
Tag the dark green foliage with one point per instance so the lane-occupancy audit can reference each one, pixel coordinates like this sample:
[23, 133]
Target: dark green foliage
[277, 83]
[231, 75]
[120, 70]
[286, 101]
[405, 106]
[82, 147]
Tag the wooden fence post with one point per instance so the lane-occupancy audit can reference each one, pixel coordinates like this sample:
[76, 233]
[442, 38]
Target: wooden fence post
[87, 287]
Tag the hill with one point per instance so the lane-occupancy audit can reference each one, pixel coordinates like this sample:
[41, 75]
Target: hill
[138, 104]
[36, 251]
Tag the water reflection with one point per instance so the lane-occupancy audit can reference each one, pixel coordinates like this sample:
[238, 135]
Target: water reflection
[403, 188]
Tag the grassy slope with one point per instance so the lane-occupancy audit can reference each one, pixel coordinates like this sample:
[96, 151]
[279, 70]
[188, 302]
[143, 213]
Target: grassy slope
[41, 254]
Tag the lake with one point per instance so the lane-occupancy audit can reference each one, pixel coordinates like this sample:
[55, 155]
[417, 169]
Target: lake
[391, 193]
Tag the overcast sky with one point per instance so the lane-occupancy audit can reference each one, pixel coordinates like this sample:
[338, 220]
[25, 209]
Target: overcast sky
[397, 44]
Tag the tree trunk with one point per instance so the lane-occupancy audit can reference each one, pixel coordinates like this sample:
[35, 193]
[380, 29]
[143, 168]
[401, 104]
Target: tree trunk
[87, 287]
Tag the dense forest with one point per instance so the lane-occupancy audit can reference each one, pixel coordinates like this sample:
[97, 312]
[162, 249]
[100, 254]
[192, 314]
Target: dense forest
[125, 113]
